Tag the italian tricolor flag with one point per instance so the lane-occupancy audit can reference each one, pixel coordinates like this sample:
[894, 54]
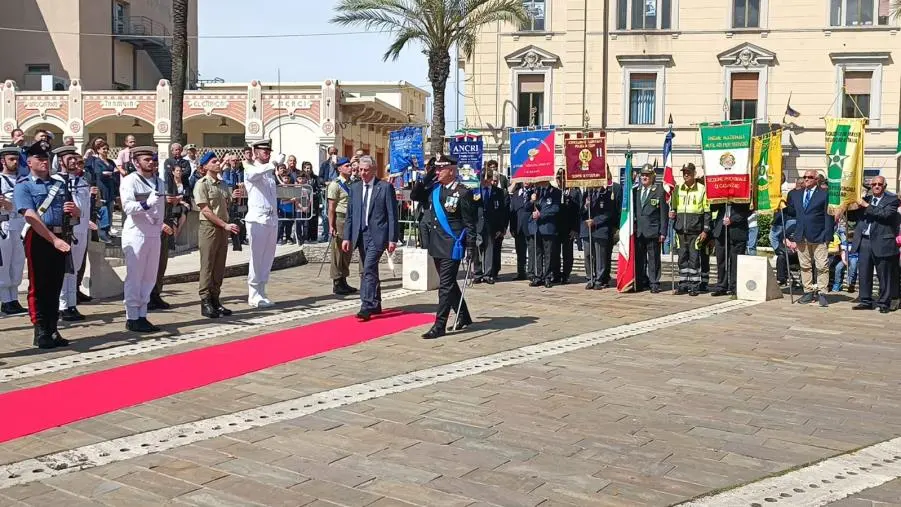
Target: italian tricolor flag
[625, 265]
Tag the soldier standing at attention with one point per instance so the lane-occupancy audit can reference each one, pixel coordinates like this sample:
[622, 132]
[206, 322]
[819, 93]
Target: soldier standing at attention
[12, 251]
[80, 191]
[41, 200]
[338, 194]
[213, 198]
[651, 222]
[450, 237]
[599, 211]
[142, 202]
[261, 220]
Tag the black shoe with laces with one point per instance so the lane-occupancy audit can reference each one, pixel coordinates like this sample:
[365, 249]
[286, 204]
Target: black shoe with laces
[435, 332]
[71, 315]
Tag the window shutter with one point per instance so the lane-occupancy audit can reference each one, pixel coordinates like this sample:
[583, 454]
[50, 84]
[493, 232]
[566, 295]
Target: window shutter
[531, 83]
[858, 83]
[744, 86]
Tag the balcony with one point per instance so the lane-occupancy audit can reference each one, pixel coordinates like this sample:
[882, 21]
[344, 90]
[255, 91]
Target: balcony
[150, 36]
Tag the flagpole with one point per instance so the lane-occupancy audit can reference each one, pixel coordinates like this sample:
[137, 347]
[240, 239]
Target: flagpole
[672, 226]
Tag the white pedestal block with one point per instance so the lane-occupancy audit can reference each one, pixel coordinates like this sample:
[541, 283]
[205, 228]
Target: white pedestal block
[100, 280]
[756, 281]
[419, 270]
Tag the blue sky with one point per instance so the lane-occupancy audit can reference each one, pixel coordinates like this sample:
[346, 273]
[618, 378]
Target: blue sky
[313, 58]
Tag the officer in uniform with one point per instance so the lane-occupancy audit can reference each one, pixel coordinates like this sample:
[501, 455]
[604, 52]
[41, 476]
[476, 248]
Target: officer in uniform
[213, 197]
[261, 220]
[545, 205]
[651, 223]
[450, 236]
[142, 194]
[338, 195]
[599, 210]
[690, 214]
[492, 223]
[41, 199]
[731, 218]
[567, 229]
[520, 209]
[12, 251]
[80, 191]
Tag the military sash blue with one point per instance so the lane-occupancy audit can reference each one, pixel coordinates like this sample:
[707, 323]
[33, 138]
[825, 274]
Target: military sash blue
[438, 206]
[343, 186]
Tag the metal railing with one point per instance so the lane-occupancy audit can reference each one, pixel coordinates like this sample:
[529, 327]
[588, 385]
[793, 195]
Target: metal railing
[142, 26]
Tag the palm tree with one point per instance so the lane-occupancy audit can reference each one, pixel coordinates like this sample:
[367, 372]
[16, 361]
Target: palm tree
[436, 25]
[179, 65]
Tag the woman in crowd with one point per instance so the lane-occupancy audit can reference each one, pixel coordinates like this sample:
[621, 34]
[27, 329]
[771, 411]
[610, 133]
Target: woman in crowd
[103, 170]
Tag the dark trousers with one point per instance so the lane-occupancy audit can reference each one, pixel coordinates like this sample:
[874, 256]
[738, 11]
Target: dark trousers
[238, 219]
[647, 262]
[867, 263]
[301, 232]
[689, 261]
[490, 252]
[285, 225]
[597, 259]
[705, 264]
[164, 263]
[521, 244]
[544, 247]
[736, 247]
[781, 265]
[449, 293]
[312, 229]
[46, 268]
[370, 285]
[562, 257]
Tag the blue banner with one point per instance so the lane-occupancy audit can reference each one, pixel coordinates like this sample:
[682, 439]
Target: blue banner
[403, 145]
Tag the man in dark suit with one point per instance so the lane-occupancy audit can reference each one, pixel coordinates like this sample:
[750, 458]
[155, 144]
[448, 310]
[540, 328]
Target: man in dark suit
[371, 226]
[874, 240]
[520, 210]
[452, 220]
[814, 228]
[493, 217]
[651, 223]
[599, 210]
[730, 230]
[567, 232]
[545, 203]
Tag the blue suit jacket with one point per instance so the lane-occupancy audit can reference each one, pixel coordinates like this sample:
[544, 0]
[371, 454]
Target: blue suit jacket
[383, 215]
[548, 203]
[813, 224]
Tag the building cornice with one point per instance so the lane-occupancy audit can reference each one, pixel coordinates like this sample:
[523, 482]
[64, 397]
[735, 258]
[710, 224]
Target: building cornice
[883, 57]
[666, 60]
[747, 55]
[532, 57]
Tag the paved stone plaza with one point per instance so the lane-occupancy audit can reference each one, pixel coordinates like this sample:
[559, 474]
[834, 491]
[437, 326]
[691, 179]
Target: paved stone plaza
[656, 413]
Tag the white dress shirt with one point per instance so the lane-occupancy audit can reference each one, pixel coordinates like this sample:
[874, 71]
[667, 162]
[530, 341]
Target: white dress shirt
[259, 183]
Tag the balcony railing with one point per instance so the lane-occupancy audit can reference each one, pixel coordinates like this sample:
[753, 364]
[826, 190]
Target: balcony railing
[142, 27]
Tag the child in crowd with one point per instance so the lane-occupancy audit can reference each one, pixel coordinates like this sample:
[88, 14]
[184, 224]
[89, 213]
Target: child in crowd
[847, 261]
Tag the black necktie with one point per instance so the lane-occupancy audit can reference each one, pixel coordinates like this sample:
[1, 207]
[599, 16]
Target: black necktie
[366, 206]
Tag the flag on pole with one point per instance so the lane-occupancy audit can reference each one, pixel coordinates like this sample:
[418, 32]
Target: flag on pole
[669, 180]
[788, 109]
[898, 149]
[625, 265]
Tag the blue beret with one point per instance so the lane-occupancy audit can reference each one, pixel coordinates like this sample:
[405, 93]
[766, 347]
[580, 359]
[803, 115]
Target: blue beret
[205, 159]
[342, 161]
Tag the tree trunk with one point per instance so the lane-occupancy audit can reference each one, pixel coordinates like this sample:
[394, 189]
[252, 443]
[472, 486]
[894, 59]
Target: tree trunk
[179, 66]
[439, 70]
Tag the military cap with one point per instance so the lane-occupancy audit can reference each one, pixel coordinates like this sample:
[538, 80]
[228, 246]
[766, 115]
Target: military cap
[265, 144]
[205, 159]
[65, 150]
[689, 167]
[342, 161]
[40, 149]
[143, 150]
[647, 169]
[190, 147]
[445, 161]
[10, 150]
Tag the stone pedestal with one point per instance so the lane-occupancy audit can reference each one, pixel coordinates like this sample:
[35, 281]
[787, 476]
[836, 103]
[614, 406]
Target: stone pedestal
[100, 280]
[419, 271]
[756, 280]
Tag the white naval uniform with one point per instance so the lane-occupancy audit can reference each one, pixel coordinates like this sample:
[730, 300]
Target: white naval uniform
[12, 250]
[140, 241]
[82, 197]
[262, 228]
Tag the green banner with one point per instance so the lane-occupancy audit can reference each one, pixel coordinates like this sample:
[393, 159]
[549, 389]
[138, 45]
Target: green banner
[844, 153]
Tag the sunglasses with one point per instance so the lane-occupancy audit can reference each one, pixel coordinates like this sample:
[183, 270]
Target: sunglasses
[810, 177]
[877, 184]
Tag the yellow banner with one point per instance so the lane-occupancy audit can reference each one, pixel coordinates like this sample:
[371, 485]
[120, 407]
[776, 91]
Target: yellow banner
[844, 152]
[768, 171]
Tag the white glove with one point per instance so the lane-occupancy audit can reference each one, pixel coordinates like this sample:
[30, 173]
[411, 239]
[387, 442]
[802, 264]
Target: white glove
[278, 159]
[152, 199]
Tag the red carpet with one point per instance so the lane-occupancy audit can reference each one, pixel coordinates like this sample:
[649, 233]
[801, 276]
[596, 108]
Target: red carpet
[29, 411]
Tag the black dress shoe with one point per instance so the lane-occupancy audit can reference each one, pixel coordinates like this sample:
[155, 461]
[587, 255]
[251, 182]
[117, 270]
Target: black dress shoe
[225, 312]
[655, 290]
[58, 340]
[883, 309]
[681, 291]
[862, 306]
[18, 309]
[478, 279]
[44, 341]
[140, 326]
[208, 310]
[352, 290]
[719, 292]
[81, 297]
[339, 289]
[489, 280]
[534, 283]
[548, 284]
[589, 286]
[693, 292]
[150, 327]
[435, 332]
[600, 286]
[462, 323]
[364, 315]
[71, 315]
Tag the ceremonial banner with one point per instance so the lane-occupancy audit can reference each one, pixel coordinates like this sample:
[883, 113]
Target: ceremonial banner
[727, 161]
[532, 155]
[768, 170]
[844, 152]
[625, 263]
[468, 150]
[403, 145]
[669, 179]
[586, 160]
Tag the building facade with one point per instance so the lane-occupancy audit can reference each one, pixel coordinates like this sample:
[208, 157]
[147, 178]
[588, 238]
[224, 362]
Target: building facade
[105, 44]
[302, 119]
[627, 69]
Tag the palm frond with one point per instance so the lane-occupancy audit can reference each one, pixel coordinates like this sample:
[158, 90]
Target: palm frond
[403, 38]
